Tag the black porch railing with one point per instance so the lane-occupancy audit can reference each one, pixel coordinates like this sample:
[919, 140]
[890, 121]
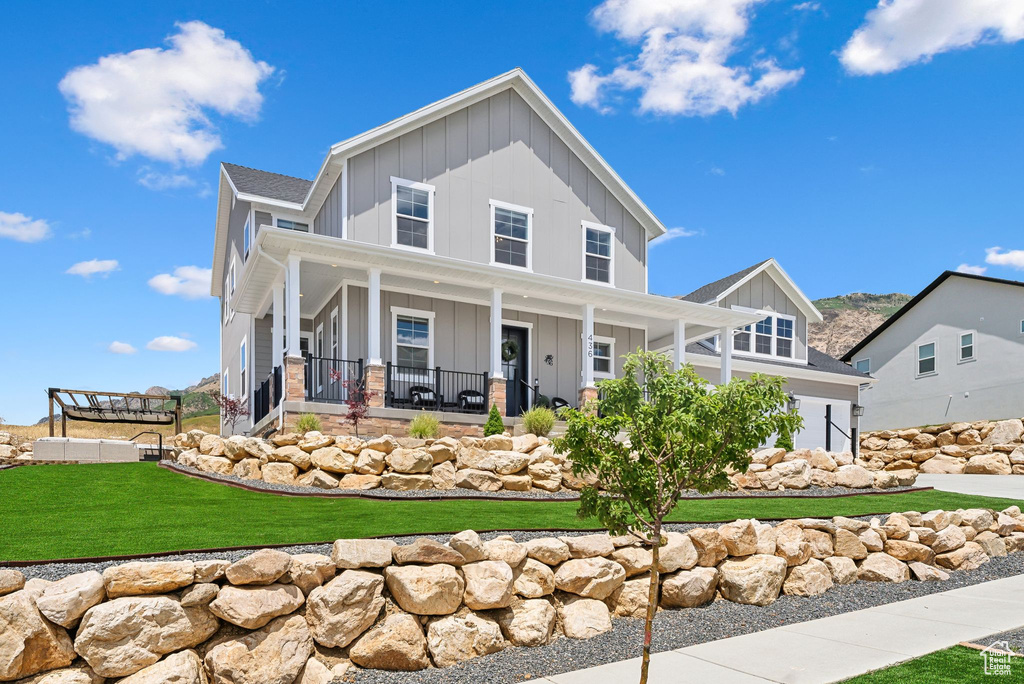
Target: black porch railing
[278, 386]
[329, 379]
[267, 396]
[435, 389]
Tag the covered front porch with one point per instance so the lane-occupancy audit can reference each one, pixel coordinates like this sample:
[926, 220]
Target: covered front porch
[423, 332]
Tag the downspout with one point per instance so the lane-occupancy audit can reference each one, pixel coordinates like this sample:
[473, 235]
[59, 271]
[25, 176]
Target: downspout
[284, 271]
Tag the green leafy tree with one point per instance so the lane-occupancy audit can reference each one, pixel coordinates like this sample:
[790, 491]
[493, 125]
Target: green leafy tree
[494, 424]
[682, 434]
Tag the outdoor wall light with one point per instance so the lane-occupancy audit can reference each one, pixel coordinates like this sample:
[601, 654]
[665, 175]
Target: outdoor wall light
[794, 403]
[858, 410]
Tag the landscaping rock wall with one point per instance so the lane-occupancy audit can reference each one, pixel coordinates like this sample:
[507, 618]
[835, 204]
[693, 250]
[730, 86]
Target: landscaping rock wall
[277, 618]
[982, 448]
[14, 448]
[778, 469]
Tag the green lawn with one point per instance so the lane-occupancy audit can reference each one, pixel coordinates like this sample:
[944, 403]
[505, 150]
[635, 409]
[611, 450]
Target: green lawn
[117, 509]
[957, 665]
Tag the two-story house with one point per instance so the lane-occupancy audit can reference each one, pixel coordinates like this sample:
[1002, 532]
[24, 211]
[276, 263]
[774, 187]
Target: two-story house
[955, 352]
[477, 251]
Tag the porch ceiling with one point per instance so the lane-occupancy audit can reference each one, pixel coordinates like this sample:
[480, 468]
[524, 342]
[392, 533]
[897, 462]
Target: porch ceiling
[327, 261]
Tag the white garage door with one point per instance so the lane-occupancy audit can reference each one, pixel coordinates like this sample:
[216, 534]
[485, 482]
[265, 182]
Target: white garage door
[813, 410]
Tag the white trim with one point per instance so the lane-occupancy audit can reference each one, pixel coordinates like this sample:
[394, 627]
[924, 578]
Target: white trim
[343, 179]
[225, 384]
[784, 281]
[508, 206]
[610, 341]
[397, 311]
[764, 313]
[747, 364]
[344, 319]
[334, 325]
[960, 346]
[243, 367]
[412, 185]
[247, 237]
[275, 217]
[529, 344]
[590, 225]
[934, 357]
[866, 358]
[318, 351]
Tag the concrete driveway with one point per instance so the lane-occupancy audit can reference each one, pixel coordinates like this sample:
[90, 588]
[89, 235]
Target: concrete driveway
[1005, 486]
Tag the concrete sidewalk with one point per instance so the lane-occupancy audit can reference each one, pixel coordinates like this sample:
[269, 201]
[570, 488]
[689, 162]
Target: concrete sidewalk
[833, 648]
[1006, 486]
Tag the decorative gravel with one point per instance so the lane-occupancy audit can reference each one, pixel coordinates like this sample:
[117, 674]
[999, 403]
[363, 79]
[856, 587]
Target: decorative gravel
[538, 494]
[1014, 640]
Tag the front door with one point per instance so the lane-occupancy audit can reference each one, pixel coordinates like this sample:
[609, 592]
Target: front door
[513, 365]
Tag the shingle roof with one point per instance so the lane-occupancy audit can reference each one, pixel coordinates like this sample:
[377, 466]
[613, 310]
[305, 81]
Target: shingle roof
[266, 184]
[710, 292]
[816, 360]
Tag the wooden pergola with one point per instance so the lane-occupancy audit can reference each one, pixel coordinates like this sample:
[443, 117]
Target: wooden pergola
[114, 407]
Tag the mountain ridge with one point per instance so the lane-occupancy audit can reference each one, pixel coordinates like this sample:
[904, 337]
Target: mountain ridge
[850, 318]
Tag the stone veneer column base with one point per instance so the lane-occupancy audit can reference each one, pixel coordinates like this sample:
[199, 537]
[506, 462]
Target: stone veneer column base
[294, 379]
[374, 380]
[587, 394]
[496, 394]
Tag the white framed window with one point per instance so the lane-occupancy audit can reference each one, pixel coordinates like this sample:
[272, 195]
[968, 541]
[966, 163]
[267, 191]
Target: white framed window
[926, 354]
[289, 224]
[412, 338]
[598, 253]
[773, 335]
[243, 375]
[335, 334]
[1022, 327]
[763, 336]
[511, 229]
[604, 357]
[225, 386]
[231, 276]
[225, 300]
[741, 339]
[966, 346]
[863, 365]
[245, 240]
[784, 336]
[318, 351]
[412, 218]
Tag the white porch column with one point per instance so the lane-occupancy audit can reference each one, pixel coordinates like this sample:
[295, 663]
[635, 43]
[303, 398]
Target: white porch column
[725, 339]
[373, 319]
[277, 332]
[496, 334]
[293, 311]
[588, 345]
[679, 344]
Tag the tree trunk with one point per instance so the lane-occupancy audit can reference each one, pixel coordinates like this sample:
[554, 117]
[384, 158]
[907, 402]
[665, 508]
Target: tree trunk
[652, 604]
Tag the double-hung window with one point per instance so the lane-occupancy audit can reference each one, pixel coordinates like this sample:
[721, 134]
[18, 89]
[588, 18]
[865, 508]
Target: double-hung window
[604, 355]
[510, 229]
[413, 222]
[243, 365]
[245, 240]
[741, 339]
[413, 341]
[966, 346]
[926, 358]
[784, 337]
[598, 246]
[763, 336]
[863, 365]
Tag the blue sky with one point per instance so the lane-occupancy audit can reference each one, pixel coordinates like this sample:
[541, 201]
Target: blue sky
[865, 147]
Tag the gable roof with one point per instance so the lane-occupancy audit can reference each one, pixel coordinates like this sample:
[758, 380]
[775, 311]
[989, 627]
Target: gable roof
[816, 361]
[946, 275]
[276, 186]
[722, 288]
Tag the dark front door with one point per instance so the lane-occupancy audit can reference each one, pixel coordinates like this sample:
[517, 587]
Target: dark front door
[513, 365]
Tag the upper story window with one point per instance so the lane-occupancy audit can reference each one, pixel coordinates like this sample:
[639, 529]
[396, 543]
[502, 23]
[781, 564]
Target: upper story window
[598, 246]
[1022, 327]
[863, 365]
[741, 339]
[784, 337]
[413, 339]
[231, 277]
[245, 240]
[926, 358]
[288, 224]
[243, 375]
[966, 347]
[413, 220]
[335, 335]
[511, 227]
[773, 335]
[225, 386]
[604, 355]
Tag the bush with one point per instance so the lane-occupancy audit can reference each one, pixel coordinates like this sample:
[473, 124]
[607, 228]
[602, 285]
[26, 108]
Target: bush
[784, 441]
[539, 420]
[425, 426]
[494, 425]
[308, 422]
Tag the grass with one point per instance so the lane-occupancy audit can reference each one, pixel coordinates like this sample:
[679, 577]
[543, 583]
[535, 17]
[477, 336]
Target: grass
[118, 509]
[957, 665]
[77, 428]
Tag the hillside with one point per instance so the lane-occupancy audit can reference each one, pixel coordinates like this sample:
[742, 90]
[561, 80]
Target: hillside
[850, 318]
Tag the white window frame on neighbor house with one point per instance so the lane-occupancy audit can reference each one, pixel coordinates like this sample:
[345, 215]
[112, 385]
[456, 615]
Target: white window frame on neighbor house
[508, 206]
[856, 365]
[318, 351]
[246, 240]
[960, 358]
[397, 182]
[396, 312]
[610, 373]
[335, 336]
[934, 357]
[243, 371]
[225, 384]
[590, 225]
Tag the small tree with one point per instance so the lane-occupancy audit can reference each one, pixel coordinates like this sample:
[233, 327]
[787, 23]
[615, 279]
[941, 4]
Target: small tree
[231, 410]
[357, 400]
[494, 424]
[682, 433]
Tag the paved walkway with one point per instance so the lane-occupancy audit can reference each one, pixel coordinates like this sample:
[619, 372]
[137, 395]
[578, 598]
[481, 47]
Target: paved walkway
[1006, 486]
[833, 648]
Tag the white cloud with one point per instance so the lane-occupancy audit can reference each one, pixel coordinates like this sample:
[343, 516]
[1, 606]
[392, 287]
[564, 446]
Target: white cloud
[973, 270]
[898, 33]
[190, 282]
[155, 180]
[169, 343]
[23, 228]
[807, 7]
[155, 101]
[681, 65]
[672, 234]
[83, 234]
[87, 269]
[116, 347]
[996, 256]
[716, 171]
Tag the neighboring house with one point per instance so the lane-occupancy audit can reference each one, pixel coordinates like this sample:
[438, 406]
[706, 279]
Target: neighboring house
[955, 352]
[475, 252]
[825, 389]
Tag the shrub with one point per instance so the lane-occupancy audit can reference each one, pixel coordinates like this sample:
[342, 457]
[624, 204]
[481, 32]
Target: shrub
[539, 420]
[425, 426]
[494, 425]
[308, 422]
[784, 441]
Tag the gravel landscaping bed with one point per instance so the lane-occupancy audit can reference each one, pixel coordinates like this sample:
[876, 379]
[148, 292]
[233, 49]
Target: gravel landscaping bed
[1014, 640]
[538, 494]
